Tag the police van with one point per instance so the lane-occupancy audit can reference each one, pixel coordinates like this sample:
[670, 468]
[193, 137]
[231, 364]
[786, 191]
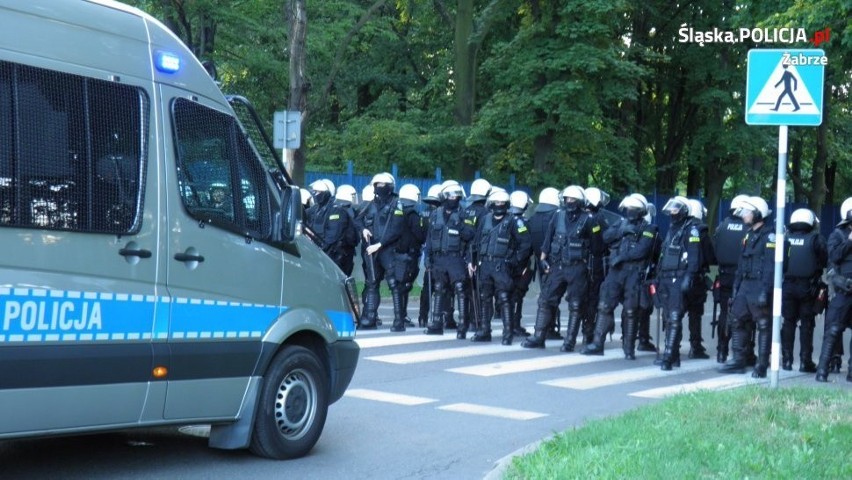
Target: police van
[152, 269]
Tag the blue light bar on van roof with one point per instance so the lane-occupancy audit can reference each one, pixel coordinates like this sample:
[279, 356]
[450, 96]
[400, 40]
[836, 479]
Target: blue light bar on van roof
[167, 62]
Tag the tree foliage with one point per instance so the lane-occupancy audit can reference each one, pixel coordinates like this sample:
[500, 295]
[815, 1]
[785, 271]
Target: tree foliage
[594, 92]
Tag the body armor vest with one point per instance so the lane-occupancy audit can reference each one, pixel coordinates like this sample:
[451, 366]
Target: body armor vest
[629, 242]
[729, 242]
[674, 257]
[801, 255]
[495, 239]
[751, 260]
[445, 235]
[377, 219]
[568, 243]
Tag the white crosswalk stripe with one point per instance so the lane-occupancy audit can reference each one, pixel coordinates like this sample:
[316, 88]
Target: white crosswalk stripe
[598, 380]
[508, 413]
[444, 354]
[387, 397]
[539, 363]
[377, 342]
[718, 383]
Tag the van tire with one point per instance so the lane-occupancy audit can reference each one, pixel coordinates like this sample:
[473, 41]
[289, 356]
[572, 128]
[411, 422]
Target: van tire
[293, 405]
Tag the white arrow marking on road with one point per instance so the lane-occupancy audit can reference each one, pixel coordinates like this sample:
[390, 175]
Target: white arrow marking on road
[539, 363]
[719, 383]
[588, 382]
[492, 411]
[387, 397]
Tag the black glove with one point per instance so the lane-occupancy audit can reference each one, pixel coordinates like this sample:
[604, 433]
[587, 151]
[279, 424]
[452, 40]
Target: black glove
[544, 265]
[686, 284]
[763, 300]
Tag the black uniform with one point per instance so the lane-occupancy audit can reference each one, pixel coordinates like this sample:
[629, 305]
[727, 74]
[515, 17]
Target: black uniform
[426, 292]
[752, 299]
[475, 211]
[406, 261]
[500, 244]
[346, 248]
[538, 224]
[679, 266]
[806, 257]
[728, 243]
[383, 218]
[837, 318]
[333, 230]
[696, 298]
[449, 231]
[604, 219]
[631, 245]
[522, 275]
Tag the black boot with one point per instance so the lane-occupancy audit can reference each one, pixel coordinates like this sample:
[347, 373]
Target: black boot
[449, 310]
[553, 331]
[788, 332]
[486, 312]
[696, 348]
[724, 338]
[573, 328]
[506, 314]
[671, 354]
[517, 313]
[830, 340]
[543, 317]
[605, 322]
[806, 346]
[628, 343]
[643, 332]
[436, 326]
[463, 310]
[737, 362]
[764, 347]
[423, 314]
[371, 307]
[398, 308]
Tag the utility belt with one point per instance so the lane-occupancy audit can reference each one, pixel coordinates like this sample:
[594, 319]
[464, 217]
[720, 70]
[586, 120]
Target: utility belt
[493, 258]
[671, 273]
[752, 275]
[572, 261]
[448, 254]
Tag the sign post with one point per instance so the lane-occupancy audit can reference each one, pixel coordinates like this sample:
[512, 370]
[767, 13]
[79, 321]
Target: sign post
[783, 88]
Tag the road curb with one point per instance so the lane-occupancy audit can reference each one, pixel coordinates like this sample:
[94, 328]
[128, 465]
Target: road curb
[501, 465]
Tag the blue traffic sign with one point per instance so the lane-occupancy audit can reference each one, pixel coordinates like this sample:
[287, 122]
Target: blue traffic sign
[785, 87]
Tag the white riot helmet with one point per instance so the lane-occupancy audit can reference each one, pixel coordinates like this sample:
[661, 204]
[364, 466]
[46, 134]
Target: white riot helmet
[803, 217]
[307, 199]
[573, 198]
[696, 209]
[433, 195]
[368, 194]
[597, 198]
[383, 185]
[678, 208]
[409, 195]
[498, 202]
[479, 190]
[758, 206]
[452, 194]
[737, 202]
[323, 190]
[347, 193]
[518, 202]
[846, 210]
[633, 208]
[549, 196]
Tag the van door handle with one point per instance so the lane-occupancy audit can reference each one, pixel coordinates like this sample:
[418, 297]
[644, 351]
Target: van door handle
[134, 252]
[187, 257]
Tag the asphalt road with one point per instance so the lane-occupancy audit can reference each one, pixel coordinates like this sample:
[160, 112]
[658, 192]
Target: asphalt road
[419, 407]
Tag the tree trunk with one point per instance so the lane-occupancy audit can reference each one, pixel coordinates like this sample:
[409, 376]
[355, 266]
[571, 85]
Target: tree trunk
[819, 190]
[298, 18]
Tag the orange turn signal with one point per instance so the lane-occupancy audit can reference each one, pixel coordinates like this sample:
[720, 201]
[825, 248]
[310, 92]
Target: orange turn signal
[160, 372]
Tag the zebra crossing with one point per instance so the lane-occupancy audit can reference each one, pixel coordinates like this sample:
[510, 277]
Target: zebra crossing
[567, 371]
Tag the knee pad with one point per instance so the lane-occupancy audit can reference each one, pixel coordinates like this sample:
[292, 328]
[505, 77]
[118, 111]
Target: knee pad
[438, 287]
[392, 283]
[502, 296]
[764, 324]
[459, 287]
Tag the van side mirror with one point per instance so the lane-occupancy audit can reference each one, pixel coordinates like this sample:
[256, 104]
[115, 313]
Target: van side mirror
[291, 208]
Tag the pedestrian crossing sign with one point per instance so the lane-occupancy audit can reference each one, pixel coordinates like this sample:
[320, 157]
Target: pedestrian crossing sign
[785, 87]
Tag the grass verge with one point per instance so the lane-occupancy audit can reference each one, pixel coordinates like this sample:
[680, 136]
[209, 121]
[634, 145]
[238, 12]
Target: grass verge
[752, 432]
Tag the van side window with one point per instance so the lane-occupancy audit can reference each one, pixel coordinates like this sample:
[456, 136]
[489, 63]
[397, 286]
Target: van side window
[219, 176]
[72, 151]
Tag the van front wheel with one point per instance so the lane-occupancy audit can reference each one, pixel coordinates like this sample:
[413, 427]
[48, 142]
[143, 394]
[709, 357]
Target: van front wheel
[293, 405]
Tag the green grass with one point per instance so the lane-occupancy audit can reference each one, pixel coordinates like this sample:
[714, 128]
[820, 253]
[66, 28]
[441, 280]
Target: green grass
[754, 432]
[384, 291]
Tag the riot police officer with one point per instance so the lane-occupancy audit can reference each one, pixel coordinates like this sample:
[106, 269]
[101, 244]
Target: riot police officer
[631, 244]
[407, 251]
[602, 219]
[840, 307]
[753, 286]
[380, 223]
[449, 232]
[431, 202]
[727, 242]
[330, 225]
[480, 189]
[548, 203]
[347, 198]
[569, 241]
[697, 295]
[806, 258]
[521, 270]
[501, 242]
[677, 269]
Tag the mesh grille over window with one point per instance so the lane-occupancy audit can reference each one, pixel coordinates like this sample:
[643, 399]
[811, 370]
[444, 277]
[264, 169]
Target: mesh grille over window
[72, 151]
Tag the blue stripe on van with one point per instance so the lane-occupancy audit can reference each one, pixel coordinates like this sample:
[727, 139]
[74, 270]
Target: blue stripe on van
[41, 315]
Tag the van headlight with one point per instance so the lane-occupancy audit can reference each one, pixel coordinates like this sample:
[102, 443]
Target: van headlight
[352, 295]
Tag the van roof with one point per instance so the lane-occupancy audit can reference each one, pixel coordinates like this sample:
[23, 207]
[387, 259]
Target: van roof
[99, 38]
